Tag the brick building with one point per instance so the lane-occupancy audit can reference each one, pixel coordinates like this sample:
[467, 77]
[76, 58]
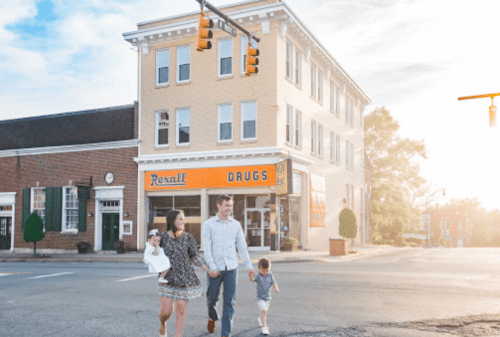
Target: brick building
[77, 171]
[451, 224]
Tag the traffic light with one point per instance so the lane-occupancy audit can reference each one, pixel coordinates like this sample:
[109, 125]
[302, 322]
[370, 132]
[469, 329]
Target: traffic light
[493, 118]
[204, 33]
[252, 60]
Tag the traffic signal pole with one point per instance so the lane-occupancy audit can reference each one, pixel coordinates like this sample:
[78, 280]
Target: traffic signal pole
[204, 3]
[493, 109]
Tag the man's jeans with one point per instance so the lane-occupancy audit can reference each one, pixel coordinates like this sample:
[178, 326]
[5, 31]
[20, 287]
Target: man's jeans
[229, 278]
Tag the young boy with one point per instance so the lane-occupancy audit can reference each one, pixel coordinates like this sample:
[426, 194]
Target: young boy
[155, 257]
[264, 280]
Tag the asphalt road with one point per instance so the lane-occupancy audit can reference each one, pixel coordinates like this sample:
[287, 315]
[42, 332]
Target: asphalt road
[407, 293]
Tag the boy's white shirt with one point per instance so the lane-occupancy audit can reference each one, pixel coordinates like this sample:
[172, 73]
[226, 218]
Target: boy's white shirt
[157, 263]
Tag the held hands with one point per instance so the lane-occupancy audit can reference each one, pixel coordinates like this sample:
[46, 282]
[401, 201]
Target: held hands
[251, 274]
[214, 273]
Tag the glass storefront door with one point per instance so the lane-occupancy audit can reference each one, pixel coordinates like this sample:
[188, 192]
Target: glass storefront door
[257, 228]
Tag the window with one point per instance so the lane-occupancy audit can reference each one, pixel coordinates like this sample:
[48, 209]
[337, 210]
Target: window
[70, 208]
[225, 57]
[249, 120]
[288, 60]
[347, 150]
[225, 122]
[298, 132]
[313, 137]
[183, 124]
[332, 97]
[289, 124]
[320, 86]
[244, 45]
[346, 109]
[352, 196]
[183, 63]
[320, 140]
[337, 100]
[351, 107]
[162, 66]
[337, 152]
[352, 156]
[162, 124]
[38, 202]
[332, 147]
[298, 75]
[313, 80]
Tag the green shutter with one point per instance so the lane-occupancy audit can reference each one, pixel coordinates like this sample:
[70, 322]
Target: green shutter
[83, 195]
[26, 205]
[57, 208]
[49, 208]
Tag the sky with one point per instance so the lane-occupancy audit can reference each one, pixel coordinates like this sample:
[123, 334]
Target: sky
[415, 57]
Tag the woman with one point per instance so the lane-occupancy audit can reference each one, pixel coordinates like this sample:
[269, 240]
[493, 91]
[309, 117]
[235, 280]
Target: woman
[183, 284]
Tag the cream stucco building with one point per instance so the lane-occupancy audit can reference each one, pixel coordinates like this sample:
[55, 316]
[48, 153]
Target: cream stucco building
[207, 129]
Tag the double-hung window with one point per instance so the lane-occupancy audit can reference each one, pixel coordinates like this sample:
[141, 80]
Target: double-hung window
[320, 86]
[38, 202]
[244, 45]
[346, 109]
[332, 147]
[161, 132]
[183, 63]
[313, 137]
[289, 60]
[225, 121]
[183, 126]
[225, 57]
[320, 140]
[313, 80]
[352, 156]
[337, 101]
[351, 108]
[298, 131]
[352, 196]
[162, 66]
[298, 75]
[289, 125]
[249, 120]
[332, 97]
[347, 150]
[337, 148]
[70, 208]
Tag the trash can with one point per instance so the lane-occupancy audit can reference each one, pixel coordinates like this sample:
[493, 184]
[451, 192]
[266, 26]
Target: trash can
[274, 239]
[82, 247]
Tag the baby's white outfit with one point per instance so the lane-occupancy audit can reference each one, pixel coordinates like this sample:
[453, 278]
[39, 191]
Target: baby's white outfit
[157, 263]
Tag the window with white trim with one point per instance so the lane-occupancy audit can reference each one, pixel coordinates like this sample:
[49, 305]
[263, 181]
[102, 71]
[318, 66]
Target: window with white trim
[70, 208]
[225, 122]
[298, 130]
[183, 126]
[332, 97]
[38, 202]
[351, 107]
[183, 63]
[313, 80]
[347, 110]
[337, 147]
[298, 66]
[320, 140]
[225, 57]
[332, 147]
[161, 132]
[320, 86]
[352, 196]
[162, 66]
[313, 137]
[289, 60]
[244, 45]
[352, 156]
[347, 150]
[337, 101]
[289, 124]
[248, 120]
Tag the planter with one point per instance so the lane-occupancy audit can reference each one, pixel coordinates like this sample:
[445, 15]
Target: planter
[339, 247]
[287, 247]
[82, 247]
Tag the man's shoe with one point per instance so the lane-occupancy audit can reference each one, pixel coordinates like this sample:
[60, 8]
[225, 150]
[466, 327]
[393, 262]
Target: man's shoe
[211, 326]
[265, 330]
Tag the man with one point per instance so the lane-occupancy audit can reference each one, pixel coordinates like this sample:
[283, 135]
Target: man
[222, 236]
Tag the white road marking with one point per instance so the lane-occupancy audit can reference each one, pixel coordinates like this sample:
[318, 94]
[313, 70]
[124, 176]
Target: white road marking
[137, 277]
[424, 252]
[5, 274]
[13, 273]
[51, 275]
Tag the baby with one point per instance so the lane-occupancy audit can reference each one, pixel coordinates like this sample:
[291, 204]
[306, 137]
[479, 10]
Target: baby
[155, 257]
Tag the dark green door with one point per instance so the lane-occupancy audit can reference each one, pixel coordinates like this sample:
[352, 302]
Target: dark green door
[5, 230]
[110, 230]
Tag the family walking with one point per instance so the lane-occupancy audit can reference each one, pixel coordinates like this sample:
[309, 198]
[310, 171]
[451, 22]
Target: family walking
[222, 239]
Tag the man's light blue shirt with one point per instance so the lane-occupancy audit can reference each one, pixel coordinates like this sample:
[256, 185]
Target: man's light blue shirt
[221, 239]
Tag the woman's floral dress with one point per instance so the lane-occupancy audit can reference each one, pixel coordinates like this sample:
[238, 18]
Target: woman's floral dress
[183, 284]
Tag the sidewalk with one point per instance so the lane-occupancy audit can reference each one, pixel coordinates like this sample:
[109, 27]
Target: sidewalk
[275, 257]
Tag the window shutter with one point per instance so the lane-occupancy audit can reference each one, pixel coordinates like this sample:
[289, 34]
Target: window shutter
[57, 208]
[49, 208]
[26, 205]
[83, 196]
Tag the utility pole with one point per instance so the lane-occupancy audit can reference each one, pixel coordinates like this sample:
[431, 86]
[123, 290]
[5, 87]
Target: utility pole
[493, 109]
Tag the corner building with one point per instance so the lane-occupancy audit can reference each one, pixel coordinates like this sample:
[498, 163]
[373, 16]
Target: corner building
[207, 129]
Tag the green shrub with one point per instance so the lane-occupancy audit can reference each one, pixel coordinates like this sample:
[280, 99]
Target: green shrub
[348, 223]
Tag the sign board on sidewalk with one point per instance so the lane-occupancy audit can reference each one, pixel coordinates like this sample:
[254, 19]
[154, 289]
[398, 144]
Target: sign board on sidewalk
[284, 178]
[226, 27]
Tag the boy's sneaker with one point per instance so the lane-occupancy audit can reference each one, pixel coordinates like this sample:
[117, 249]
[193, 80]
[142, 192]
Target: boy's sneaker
[265, 330]
[162, 280]
[259, 320]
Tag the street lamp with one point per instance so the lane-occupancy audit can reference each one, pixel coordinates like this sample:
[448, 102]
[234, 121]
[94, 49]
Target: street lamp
[427, 231]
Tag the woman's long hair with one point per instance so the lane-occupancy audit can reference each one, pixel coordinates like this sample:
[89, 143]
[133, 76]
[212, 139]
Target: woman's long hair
[171, 216]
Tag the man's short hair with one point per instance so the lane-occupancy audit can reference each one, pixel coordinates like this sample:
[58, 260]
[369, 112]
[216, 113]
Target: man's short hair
[264, 263]
[221, 198]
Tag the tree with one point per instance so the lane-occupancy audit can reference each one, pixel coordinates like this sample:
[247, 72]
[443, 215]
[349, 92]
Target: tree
[395, 179]
[33, 230]
[348, 223]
